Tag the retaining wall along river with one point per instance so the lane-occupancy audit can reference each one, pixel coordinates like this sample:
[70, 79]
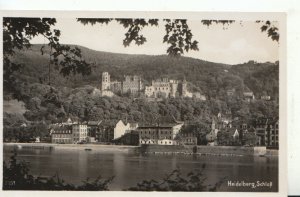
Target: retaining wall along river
[156, 149]
[209, 150]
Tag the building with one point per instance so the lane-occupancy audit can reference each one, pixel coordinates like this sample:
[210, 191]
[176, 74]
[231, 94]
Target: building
[266, 98]
[116, 86]
[79, 132]
[272, 134]
[61, 134]
[267, 131]
[120, 129]
[211, 137]
[74, 132]
[132, 85]
[149, 92]
[105, 81]
[261, 127]
[168, 142]
[105, 133]
[129, 138]
[165, 88]
[161, 88]
[236, 134]
[229, 137]
[133, 126]
[93, 128]
[163, 132]
[112, 131]
[107, 86]
[66, 121]
[174, 88]
[249, 96]
[187, 138]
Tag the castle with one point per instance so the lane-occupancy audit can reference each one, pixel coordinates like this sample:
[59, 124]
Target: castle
[159, 88]
[165, 88]
[132, 85]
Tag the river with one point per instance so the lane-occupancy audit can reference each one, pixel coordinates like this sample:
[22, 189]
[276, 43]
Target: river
[128, 169]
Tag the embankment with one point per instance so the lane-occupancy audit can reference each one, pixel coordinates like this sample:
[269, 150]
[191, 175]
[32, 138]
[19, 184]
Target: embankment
[153, 149]
[205, 150]
[91, 147]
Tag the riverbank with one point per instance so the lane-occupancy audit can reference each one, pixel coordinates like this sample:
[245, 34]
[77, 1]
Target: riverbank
[154, 149]
[87, 147]
[208, 150]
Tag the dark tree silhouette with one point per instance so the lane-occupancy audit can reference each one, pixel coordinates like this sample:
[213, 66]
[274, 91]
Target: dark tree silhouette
[17, 33]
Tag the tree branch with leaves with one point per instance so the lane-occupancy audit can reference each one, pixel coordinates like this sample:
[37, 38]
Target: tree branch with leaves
[17, 34]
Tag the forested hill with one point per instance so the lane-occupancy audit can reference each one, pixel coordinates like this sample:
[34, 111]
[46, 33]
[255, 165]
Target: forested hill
[212, 79]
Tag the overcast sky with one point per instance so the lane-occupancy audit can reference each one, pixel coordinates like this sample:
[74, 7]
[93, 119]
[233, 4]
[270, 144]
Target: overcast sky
[234, 44]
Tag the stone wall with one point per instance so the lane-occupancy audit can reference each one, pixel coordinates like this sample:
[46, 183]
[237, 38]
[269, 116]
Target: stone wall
[210, 150]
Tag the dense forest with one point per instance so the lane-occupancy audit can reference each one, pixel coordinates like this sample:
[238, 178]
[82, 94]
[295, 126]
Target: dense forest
[75, 96]
[210, 78]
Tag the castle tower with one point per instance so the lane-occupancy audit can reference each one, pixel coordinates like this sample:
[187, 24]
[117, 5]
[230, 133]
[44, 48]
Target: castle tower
[174, 88]
[105, 81]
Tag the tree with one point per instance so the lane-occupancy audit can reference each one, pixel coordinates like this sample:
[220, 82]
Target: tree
[249, 138]
[178, 35]
[17, 33]
[175, 181]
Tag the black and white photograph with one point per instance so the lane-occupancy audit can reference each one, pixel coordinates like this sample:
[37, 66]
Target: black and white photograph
[167, 103]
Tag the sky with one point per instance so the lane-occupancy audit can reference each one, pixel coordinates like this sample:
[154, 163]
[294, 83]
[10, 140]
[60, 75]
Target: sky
[229, 44]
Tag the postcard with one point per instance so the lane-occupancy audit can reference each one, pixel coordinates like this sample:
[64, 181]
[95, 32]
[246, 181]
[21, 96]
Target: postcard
[140, 102]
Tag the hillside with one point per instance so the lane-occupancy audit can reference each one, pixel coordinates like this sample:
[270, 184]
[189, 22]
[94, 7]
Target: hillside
[75, 96]
[213, 79]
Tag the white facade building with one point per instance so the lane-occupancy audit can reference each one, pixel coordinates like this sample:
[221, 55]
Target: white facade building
[120, 129]
[79, 132]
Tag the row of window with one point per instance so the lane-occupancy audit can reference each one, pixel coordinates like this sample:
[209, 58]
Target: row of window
[61, 136]
[155, 132]
[189, 140]
[80, 134]
[160, 142]
[64, 131]
[273, 138]
[162, 88]
[62, 140]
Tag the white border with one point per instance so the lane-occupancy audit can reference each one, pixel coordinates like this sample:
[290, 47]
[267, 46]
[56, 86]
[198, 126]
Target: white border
[212, 5]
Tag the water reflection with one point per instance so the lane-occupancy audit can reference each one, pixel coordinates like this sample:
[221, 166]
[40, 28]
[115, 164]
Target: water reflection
[74, 166]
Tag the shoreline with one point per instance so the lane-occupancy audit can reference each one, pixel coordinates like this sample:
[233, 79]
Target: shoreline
[94, 147]
[153, 149]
